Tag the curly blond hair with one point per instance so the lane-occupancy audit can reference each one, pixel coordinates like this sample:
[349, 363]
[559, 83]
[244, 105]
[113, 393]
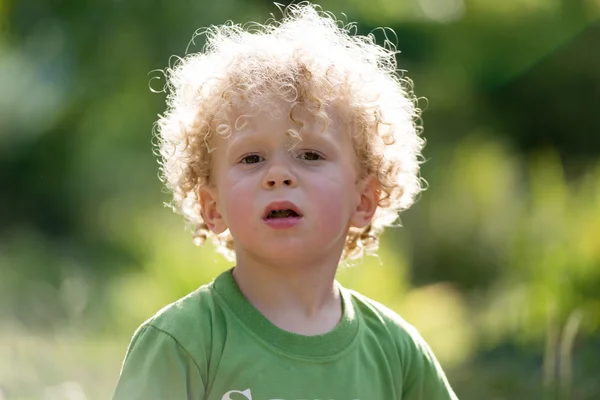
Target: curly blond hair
[308, 59]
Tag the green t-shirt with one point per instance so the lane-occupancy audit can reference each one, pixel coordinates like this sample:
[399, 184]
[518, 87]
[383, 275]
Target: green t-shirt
[214, 345]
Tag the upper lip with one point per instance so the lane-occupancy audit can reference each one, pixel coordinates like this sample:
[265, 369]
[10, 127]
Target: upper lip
[281, 205]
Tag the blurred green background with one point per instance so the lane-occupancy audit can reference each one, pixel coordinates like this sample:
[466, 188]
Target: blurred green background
[498, 264]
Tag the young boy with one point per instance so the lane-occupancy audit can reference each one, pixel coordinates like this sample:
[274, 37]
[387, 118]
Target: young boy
[292, 146]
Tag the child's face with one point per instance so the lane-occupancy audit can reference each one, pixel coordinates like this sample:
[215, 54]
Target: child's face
[255, 171]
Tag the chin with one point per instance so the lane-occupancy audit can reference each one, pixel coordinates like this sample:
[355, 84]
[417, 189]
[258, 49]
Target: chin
[287, 253]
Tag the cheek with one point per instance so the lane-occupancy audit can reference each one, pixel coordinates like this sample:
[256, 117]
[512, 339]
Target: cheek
[237, 206]
[334, 199]
[332, 215]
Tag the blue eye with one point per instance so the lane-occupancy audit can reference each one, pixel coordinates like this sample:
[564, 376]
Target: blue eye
[310, 156]
[252, 159]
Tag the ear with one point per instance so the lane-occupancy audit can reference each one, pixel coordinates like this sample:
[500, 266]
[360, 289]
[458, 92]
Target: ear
[368, 190]
[210, 209]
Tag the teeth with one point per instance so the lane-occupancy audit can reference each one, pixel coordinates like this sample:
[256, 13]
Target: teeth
[282, 214]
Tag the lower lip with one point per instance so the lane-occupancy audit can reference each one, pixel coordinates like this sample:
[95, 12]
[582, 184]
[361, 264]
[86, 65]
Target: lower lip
[282, 223]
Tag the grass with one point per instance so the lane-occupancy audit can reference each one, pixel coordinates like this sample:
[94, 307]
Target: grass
[57, 366]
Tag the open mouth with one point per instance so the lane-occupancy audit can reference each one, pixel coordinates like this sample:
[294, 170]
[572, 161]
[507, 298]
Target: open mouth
[285, 213]
[281, 210]
[282, 215]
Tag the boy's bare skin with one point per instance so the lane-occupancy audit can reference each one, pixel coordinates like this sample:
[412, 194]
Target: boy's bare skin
[292, 149]
[286, 266]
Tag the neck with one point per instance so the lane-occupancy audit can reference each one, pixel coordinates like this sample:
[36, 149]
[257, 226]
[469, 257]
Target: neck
[298, 298]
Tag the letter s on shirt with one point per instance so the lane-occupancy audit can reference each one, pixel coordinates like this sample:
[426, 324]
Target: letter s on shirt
[246, 393]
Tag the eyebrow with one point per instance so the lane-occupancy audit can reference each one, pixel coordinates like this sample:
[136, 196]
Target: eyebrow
[237, 138]
[241, 140]
[309, 136]
[318, 137]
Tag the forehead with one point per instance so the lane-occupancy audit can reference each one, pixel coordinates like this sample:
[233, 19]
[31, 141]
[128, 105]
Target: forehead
[297, 121]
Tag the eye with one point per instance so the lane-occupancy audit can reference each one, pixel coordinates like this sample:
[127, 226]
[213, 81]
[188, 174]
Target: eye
[251, 159]
[310, 156]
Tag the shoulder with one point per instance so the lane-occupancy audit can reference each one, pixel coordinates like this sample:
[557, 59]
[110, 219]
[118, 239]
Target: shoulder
[189, 312]
[170, 348]
[374, 313]
[187, 321]
[421, 374]
[388, 325]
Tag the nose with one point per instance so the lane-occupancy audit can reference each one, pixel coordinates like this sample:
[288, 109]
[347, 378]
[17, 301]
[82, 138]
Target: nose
[278, 175]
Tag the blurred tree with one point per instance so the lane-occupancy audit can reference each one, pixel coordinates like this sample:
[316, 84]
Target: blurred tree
[495, 261]
[555, 103]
